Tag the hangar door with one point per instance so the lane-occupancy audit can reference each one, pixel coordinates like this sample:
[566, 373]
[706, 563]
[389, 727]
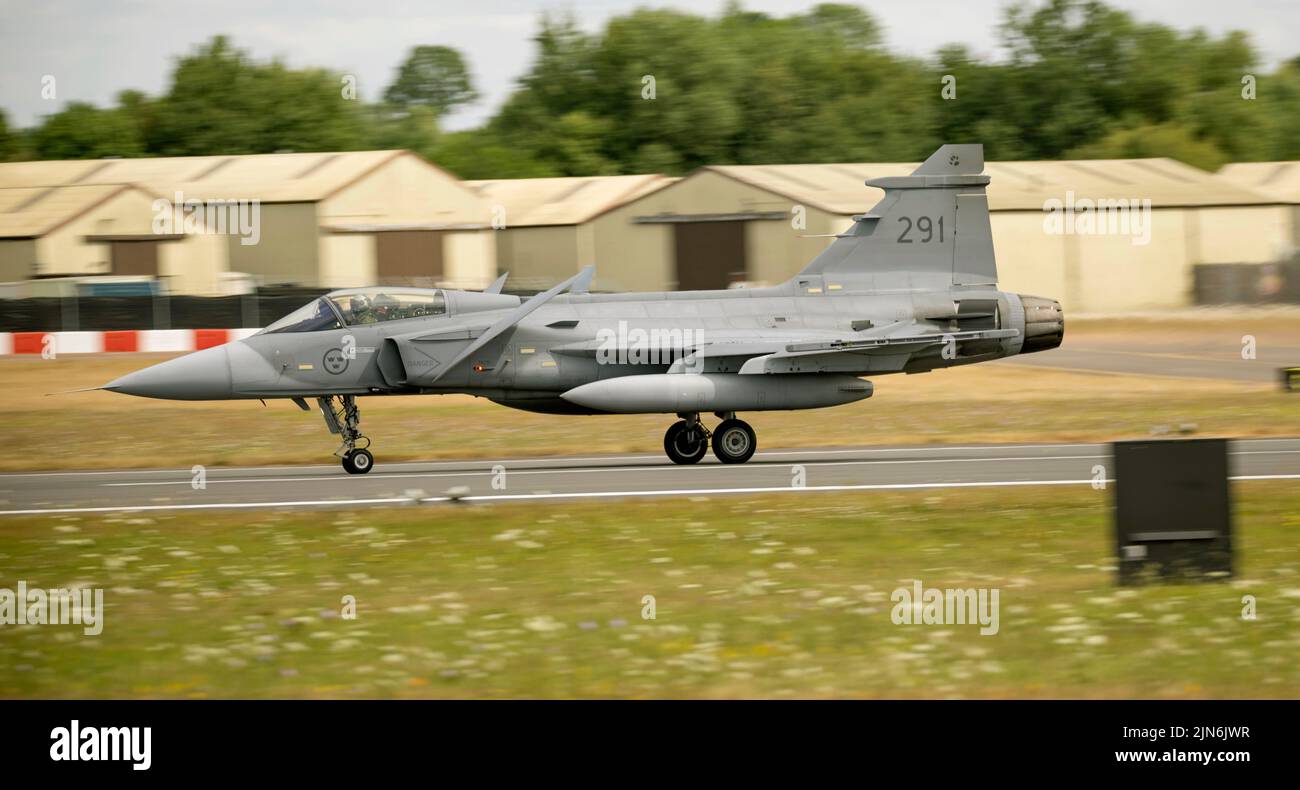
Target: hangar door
[134, 257]
[709, 254]
[409, 257]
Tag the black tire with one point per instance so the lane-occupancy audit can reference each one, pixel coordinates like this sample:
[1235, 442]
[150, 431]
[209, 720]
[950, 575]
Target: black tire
[734, 442]
[358, 462]
[685, 444]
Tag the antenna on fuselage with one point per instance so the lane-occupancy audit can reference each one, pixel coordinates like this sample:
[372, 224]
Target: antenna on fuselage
[497, 285]
[583, 283]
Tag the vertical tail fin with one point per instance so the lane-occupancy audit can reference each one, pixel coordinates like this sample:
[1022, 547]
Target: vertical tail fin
[931, 230]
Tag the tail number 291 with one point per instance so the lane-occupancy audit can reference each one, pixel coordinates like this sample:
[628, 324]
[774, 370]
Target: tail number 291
[927, 229]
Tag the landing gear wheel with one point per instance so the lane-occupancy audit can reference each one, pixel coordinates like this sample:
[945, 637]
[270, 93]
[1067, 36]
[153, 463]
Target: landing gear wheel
[344, 419]
[358, 462]
[686, 443]
[734, 441]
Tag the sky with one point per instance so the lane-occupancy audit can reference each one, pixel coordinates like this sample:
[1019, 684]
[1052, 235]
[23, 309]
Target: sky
[94, 48]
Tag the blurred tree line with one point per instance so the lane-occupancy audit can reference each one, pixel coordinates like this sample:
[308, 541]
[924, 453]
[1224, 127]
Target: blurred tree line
[666, 91]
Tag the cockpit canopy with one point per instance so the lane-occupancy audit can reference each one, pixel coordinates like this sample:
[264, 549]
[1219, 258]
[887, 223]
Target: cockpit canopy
[374, 305]
[362, 306]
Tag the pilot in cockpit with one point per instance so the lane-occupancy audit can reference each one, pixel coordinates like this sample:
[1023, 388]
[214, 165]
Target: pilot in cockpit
[362, 311]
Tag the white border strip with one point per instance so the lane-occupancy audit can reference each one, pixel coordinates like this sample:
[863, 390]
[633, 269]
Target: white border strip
[147, 340]
[583, 495]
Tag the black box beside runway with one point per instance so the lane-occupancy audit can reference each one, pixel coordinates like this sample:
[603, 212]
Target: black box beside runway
[1290, 379]
[1172, 510]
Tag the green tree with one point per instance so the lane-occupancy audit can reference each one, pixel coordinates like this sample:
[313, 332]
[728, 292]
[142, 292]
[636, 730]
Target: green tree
[976, 88]
[671, 91]
[1070, 63]
[415, 130]
[478, 154]
[221, 101]
[1279, 102]
[850, 25]
[668, 78]
[1159, 140]
[83, 131]
[432, 76]
[659, 90]
[8, 140]
[138, 110]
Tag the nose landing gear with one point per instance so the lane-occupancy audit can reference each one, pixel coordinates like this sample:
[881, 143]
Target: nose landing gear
[345, 420]
[358, 461]
[687, 440]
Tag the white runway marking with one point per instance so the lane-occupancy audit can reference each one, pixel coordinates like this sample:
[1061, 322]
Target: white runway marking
[797, 490]
[656, 468]
[584, 495]
[612, 458]
[545, 459]
[208, 506]
[602, 469]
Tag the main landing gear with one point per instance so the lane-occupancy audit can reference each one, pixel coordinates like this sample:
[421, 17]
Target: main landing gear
[688, 440]
[344, 418]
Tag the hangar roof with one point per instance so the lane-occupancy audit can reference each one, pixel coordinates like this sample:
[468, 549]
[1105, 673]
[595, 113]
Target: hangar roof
[1281, 179]
[271, 178]
[564, 201]
[1016, 186]
[32, 212]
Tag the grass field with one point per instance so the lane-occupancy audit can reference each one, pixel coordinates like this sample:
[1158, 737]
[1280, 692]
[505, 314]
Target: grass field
[775, 596]
[982, 403]
[781, 596]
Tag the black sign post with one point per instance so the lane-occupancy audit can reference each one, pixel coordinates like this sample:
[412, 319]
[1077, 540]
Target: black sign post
[1172, 510]
[1290, 379]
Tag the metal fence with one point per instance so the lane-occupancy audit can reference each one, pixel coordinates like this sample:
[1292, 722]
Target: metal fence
[1246, 283]
[109, 313]
[1213, 284]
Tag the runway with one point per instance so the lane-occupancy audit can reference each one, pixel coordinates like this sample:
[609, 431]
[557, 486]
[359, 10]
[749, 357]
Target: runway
[595, 477]
[1181, 360]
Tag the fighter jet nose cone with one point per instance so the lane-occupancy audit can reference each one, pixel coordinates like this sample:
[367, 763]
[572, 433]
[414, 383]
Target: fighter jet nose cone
[203, 375]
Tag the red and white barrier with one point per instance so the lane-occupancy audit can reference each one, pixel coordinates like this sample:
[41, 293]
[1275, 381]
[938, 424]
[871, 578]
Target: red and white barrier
[152, 340]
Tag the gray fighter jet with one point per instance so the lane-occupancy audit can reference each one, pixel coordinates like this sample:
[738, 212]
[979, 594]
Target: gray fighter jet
[911, 286]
